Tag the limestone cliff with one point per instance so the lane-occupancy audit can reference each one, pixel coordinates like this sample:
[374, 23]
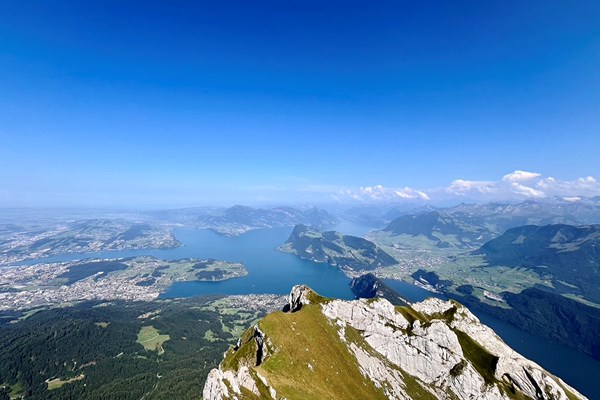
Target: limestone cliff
[334, 349]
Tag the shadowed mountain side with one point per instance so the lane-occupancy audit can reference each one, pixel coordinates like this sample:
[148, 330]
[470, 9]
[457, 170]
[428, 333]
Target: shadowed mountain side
[368, 286]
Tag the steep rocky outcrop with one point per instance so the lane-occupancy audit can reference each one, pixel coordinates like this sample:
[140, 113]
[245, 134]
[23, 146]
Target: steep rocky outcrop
[368, 286]
[298, 297]
[371, 349]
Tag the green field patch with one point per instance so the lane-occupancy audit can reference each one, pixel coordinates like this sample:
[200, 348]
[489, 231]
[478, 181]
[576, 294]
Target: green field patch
[568, 284]
[210, 336]
[102, 324]
[581, 299]
[58, 382]
[482, 360]
[15, 391]
[26, 315]
[151, 339]
[237, 330]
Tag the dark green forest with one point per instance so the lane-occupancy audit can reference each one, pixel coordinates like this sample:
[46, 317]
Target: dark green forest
[98, 341]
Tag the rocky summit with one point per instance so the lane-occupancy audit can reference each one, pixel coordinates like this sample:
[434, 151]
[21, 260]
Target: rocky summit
[370, 349]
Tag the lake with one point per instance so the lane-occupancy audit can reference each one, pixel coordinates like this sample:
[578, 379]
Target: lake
[271, 271]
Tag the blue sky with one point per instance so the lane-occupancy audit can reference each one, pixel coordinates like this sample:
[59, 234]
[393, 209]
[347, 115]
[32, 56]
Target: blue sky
[150, 103]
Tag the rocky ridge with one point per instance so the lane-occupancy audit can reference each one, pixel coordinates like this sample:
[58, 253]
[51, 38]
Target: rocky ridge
[432, 349]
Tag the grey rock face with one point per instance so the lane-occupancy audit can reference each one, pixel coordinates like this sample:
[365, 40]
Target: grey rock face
[432, 350]
[298, 297]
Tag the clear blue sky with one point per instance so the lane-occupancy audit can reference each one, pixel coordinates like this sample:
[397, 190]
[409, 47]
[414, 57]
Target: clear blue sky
[180, 103]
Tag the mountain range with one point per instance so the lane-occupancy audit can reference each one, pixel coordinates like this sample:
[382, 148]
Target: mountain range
[239, 219]
[437, 226]
[470, 225]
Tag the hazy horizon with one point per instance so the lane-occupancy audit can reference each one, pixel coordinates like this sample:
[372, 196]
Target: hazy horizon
[336, 206]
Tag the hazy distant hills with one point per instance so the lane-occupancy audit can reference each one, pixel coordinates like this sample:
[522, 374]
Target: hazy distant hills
[397, 211]
[240, 219]
[570, 255]
[278, 216]
[344, 251]
[378, 216]
[436, 225]
[504, 216]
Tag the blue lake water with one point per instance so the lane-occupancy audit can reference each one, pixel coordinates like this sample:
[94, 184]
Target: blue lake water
[271, 271]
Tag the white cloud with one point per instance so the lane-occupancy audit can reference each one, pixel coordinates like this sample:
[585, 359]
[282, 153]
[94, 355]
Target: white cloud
[520, 176]
[461, 187]
[381, 193]
[523, 184]
[526, 191]
[587, 186]
[515, 185]
[409, 193]
[510, 186]
[590, 180]
[423, 195]
[402, 194]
